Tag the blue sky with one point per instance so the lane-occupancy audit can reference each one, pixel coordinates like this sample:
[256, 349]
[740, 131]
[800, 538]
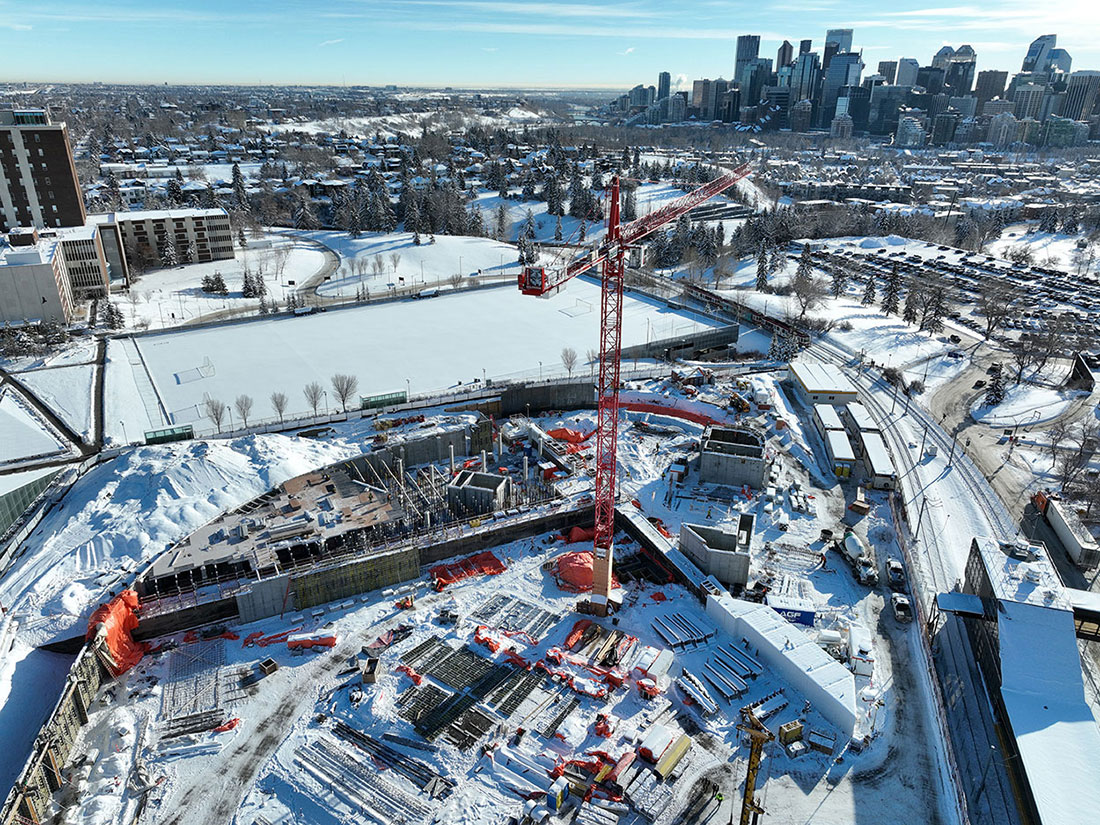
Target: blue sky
[495, 43]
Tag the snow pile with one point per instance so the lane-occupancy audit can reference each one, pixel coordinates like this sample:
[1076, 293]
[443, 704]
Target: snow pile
[127, 510]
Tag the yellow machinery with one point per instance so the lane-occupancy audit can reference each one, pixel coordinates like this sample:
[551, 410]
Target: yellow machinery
[759, 736]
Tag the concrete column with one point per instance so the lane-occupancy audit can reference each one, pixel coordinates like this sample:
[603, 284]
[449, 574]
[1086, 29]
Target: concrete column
[484, 462]
[452, 459]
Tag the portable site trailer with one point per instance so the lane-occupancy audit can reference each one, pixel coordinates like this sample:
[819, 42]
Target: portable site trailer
[1075, 537]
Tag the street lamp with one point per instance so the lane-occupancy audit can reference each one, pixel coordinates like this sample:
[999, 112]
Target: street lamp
[408, 390]
[540, 370]
[125, 437]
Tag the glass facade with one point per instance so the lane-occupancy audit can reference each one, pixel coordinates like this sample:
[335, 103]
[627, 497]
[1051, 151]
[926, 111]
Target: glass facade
[15, 502]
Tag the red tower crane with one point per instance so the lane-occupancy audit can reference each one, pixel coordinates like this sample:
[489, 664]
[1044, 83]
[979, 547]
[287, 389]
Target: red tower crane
[611, 253]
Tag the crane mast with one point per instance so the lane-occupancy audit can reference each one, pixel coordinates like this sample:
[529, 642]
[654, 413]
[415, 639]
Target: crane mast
[610, 255]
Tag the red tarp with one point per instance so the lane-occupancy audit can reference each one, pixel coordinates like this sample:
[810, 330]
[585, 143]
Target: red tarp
[576, 534]
[110, 627]
[573, 571]
[572, 436]
[672, 412]
[481, 564]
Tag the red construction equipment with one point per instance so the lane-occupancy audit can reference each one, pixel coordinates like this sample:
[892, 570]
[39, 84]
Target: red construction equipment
[610, 253]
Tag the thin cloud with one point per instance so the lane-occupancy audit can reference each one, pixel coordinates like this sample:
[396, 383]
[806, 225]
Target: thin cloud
[330, 42]
[630, 50]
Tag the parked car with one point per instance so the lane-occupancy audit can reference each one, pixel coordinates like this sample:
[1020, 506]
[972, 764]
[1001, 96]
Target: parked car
[895, 574]
[903, 610]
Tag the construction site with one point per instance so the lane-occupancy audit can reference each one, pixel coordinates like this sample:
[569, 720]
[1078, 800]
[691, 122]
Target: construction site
[659, 604]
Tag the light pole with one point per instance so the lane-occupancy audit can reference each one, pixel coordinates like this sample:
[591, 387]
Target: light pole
[125, 437]
[408, 390]
[324, 395]
[540, 370]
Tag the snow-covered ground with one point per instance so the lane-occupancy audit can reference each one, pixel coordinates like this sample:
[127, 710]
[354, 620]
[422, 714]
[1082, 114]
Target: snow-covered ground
[168, 297]
[436, 343]
[67, 391]
[22, 434]
[1023, 405]
[430, 264]
[1054, 249]
[411, 122]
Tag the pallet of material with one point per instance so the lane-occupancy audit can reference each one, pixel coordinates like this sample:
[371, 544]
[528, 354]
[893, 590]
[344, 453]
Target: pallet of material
[697, 692]
[747, 661]
[821, 741]
[671, 758]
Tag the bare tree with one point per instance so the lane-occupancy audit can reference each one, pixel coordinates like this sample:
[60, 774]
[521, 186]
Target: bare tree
[1072, 461]
[569, 359]
[395, 259]
[243, 406]
[456, 280]
[996, 302]
[377, 265]
[1023, 351]
[1058, 432]
[313, 392]
[808, 292]
[215, 410]
[593, 358]
[278, 403]
[344, 387]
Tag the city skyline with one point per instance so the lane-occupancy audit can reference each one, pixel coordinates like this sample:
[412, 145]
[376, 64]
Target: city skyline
[491, 43]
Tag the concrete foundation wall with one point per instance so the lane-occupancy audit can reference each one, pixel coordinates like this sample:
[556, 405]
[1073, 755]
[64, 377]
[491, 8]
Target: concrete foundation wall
[730, 567]
[265, 598]
[53, 748]
[732, 470]
[355, 577]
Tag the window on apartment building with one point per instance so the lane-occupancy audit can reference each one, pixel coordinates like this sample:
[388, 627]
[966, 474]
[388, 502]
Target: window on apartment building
[41, 153]
[50, 194]
[37, 139]
[47, 181]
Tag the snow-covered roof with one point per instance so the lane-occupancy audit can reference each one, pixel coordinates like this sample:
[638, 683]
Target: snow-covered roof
[156, 215]
[1028, 578]
[790, 652]
[861, 418]
[828, 416]
[1043, 692]
[839, 446]
[817, 377]
[877, 457]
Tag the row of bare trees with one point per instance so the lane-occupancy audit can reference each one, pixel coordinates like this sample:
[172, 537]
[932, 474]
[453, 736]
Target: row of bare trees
[344, 388]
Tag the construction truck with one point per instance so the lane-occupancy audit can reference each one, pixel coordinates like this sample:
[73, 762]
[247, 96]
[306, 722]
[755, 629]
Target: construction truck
[738, 403]
[860, 557]
[1064, 521]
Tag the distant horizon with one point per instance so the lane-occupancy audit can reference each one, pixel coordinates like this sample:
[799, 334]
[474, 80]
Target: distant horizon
[473, 44]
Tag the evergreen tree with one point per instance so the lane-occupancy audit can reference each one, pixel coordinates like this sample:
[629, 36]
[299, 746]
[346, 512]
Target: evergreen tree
[264, 309]
[240, 195]
[581, 230]
[169, 255]
[839, 273]
[242, 241]
[995, 392]
[557, 229]
[304, 217]
[776, 262]
[219, 284]
[209, 198]
[529, 225]
[248, 290]
[911, 308]
[475, 224]
[114, 193]
[762, 269]
[191, 253]
[500, 224]
[869, 290]
[891, 294]
[175, 192]
[528, 192]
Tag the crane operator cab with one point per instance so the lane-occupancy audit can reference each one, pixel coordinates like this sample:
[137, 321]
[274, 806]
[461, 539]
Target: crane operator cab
[532, 280]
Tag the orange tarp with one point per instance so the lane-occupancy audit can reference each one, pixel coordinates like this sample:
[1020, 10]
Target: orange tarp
[110, 628]
[573, 571]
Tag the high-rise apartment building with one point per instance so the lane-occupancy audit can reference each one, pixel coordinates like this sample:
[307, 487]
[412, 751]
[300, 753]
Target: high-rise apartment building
[910, 132]
[1029, 100]
[991, 84]
[802, 114]
[748, 49]
[888, 69]
[1082, 91]
[664, 85]
[907, 72]
[38, 185]
[785, 55]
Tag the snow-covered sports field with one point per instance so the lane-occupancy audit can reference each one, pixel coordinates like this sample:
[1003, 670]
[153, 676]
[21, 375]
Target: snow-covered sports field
[434, 343]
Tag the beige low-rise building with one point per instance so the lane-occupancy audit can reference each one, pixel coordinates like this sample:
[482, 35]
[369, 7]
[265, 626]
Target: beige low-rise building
[34, 281]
